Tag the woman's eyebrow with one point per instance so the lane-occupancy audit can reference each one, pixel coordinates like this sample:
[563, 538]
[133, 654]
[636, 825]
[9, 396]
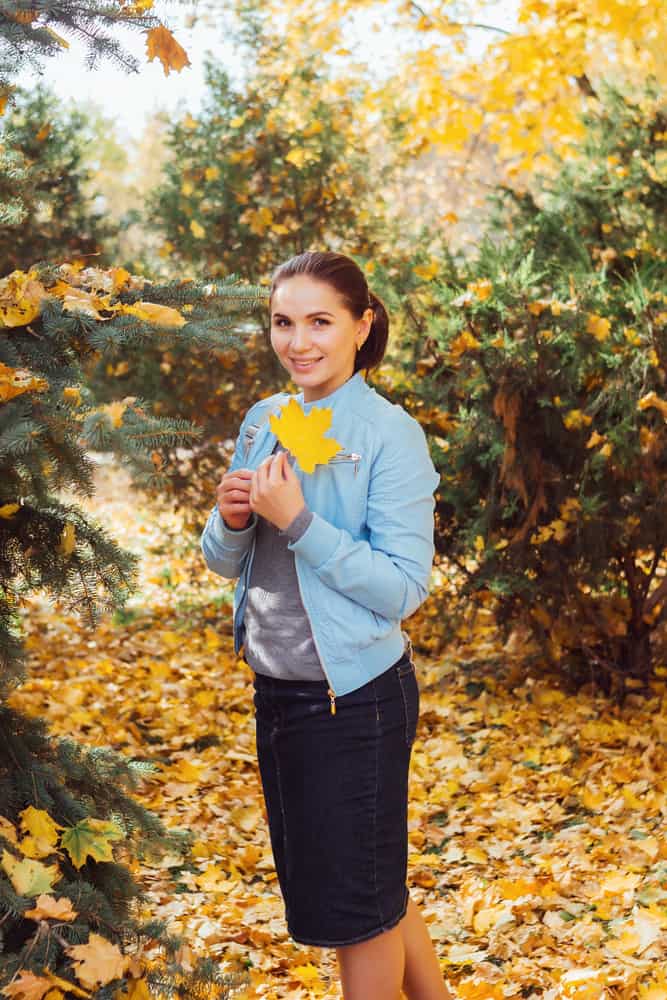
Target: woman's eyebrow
[320, 312]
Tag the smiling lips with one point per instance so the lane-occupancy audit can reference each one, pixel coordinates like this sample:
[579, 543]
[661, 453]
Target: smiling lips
[304, 363]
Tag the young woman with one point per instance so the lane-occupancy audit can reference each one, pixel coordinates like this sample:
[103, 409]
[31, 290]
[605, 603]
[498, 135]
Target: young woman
[329, 563]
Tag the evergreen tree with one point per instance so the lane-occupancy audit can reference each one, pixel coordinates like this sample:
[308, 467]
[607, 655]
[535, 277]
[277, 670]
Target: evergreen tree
[57, 219]
[70, 908]
[65, 807]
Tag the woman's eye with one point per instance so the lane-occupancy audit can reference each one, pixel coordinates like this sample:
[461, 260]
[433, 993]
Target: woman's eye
[282, 322]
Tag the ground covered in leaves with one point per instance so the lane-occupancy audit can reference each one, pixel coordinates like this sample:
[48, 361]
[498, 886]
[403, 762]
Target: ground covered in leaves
[536, 823]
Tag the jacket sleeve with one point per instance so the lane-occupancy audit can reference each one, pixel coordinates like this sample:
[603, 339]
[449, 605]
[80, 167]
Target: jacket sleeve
[390, 572]
[224, 549]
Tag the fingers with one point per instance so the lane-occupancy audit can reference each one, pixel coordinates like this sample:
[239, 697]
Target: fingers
[276, 474]
[242, 474]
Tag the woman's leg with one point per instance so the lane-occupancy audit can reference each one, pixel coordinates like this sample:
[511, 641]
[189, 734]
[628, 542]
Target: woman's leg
[402, 958]
[422, 979]
[373, 969]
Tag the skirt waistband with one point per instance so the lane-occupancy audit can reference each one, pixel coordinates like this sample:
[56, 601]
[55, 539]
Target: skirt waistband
[266, 681]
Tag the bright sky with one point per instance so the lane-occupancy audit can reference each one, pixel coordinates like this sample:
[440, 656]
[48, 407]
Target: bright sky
[130, 97]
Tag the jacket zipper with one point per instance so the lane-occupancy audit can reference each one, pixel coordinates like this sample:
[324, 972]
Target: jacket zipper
[246, 577]
[330, 690]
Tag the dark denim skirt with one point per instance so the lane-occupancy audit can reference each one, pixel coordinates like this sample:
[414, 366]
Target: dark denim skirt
[336, 795]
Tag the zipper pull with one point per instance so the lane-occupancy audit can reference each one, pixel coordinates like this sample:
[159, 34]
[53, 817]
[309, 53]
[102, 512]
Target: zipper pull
[332, 699]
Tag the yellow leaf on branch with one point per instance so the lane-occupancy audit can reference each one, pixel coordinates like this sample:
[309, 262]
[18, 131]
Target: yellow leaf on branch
[67, 540]
[17, 381]
[20, 298]
[303, 434]
[161, 43]
[154, 313]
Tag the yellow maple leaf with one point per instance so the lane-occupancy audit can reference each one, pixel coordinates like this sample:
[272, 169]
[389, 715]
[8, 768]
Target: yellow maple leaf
[161, 43]
[41, 828]
[28, 986]
[97, 962]
[29, 877]
[48, 906]
[303, 434]
[307, 975]
[92, 837]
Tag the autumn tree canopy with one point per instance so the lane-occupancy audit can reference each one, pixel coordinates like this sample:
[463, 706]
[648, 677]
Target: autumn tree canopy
[525, 94]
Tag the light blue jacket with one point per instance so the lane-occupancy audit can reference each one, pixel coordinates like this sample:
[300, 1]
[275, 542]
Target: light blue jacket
[364, 562]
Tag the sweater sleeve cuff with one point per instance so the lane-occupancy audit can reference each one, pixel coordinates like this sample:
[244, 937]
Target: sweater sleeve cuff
[318, 542]
[296, 527]
[231, 537]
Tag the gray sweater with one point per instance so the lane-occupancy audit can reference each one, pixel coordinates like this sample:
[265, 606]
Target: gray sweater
[276, 632]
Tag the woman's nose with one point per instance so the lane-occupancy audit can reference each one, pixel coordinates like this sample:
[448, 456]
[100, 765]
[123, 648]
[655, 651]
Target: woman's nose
[300, 340]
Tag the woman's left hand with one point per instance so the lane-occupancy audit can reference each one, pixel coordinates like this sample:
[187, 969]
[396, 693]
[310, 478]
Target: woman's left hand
[275, 491]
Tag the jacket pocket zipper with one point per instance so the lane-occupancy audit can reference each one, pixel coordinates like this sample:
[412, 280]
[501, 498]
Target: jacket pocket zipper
[346, 456]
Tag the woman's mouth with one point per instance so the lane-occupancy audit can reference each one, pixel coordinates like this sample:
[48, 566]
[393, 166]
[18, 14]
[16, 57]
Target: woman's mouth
[304, 366]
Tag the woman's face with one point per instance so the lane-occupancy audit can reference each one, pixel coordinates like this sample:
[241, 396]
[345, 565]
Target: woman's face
[310, 323]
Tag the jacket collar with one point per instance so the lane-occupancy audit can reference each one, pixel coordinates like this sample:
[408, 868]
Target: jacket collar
[351, 389]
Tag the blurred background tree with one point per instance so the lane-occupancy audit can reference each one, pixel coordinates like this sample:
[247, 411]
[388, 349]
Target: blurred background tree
[541, 381]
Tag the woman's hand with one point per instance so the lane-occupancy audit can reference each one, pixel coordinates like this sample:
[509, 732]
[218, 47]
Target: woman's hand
[275, 491]
[232, 494]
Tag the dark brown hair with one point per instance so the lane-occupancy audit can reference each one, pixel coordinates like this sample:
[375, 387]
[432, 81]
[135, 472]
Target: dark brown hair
[347, 278]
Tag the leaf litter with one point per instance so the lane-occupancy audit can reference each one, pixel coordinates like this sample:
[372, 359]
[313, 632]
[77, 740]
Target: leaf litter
[537, 818]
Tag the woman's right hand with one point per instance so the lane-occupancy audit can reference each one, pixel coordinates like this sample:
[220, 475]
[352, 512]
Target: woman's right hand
[233, 498]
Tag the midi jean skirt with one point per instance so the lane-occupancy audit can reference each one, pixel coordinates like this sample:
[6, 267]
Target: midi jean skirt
[336, 795]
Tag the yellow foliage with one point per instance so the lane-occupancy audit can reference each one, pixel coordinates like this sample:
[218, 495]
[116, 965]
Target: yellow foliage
[598, 326]
[575, 419]
[466, 341]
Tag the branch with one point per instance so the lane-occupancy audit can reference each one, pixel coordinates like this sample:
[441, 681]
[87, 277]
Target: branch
[458, 24]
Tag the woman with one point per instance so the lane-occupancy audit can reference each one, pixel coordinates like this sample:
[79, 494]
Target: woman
[329, 563]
